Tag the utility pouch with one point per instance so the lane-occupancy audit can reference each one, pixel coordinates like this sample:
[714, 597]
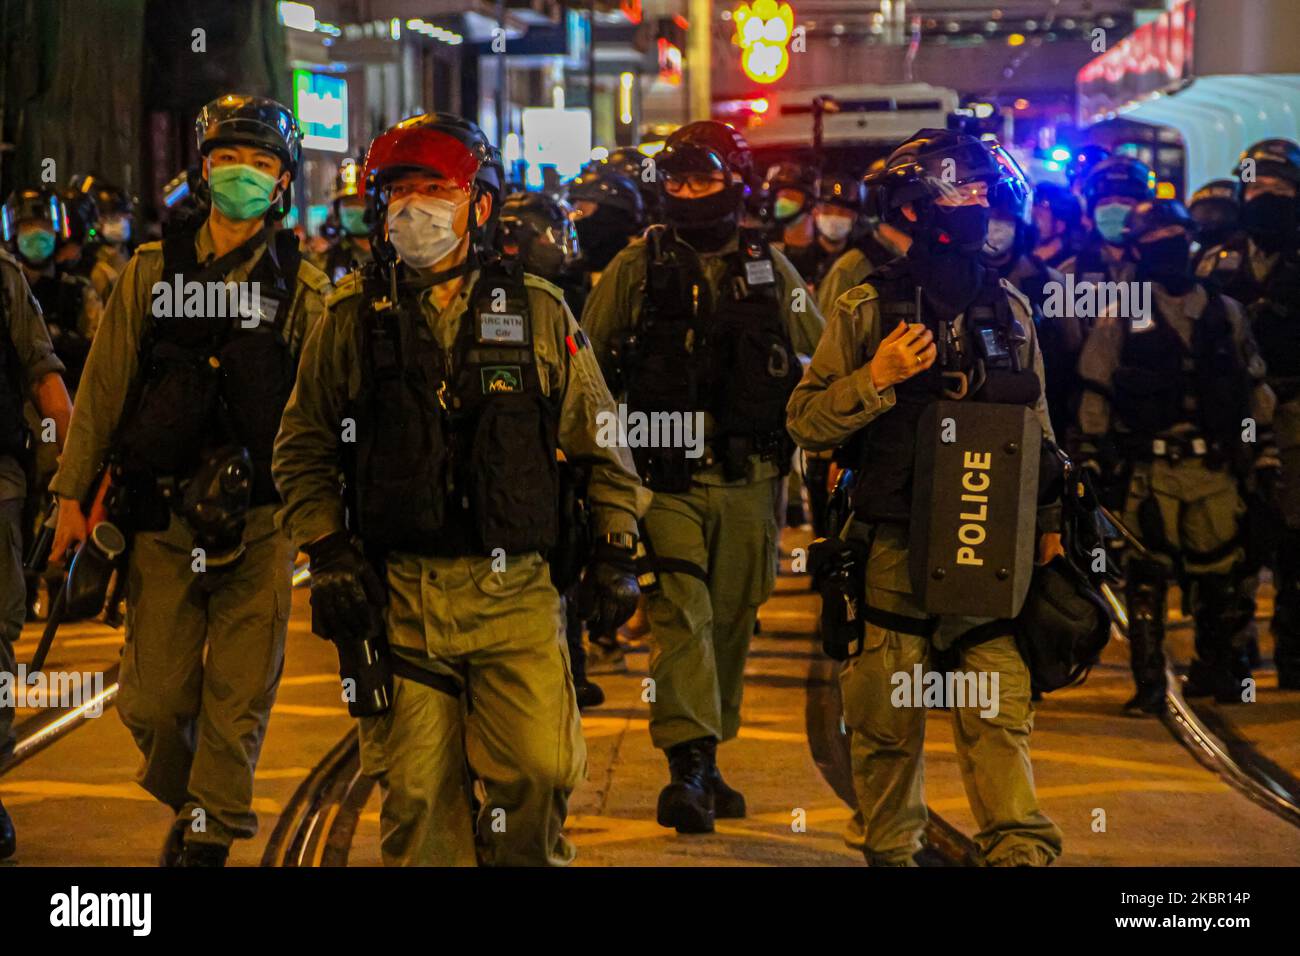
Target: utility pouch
[839, 574]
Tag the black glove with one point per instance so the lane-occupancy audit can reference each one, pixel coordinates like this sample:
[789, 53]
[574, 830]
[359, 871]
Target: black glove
[345, 591]
[607, 594]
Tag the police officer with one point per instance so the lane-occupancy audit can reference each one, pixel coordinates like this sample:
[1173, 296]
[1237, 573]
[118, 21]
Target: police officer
[536, 230]
[609, 212]
[1110, 191]
[704, 320]
[185, 408]
[1060, 336]
[836, 219]
[877, 368]
[30, 369]
[880, 242]
[1168, 392]
[351, 249]
[1057, 221]
[114, 234]
[790, 192]
[83, 221]
[35, 223]
[452, 486]
[1216, 208]
[1260, 267]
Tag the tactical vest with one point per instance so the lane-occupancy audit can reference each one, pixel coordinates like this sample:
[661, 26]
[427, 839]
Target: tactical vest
[985, 357]
[1275, 321]
[455, 451]
[13, 380]
[62, 298]
[207, 379]
[731, 357]
[1161, 383]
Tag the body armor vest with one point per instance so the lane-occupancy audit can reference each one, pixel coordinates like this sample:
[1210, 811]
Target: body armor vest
[1275, 321]
[731, 357]
[980, 365]
[62, 297]
[1161, 383]
[455, 452]
[212, 379]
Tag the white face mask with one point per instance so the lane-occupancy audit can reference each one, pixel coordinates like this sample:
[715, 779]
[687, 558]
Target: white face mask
[1000, 237]
[834, 228]
[420, 229]
[116, 231]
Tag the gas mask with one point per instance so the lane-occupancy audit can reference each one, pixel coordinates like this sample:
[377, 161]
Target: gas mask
[215, 505]
[422, 230]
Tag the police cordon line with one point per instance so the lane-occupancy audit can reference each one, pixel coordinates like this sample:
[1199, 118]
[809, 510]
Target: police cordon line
[480, 413]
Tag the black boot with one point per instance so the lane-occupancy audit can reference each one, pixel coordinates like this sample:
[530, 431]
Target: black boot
[203, 854]
[1144, 593]
[686, 804]
[589, 694]
[728, 803]
[175, 842]
[1220, 669]
[8, 840]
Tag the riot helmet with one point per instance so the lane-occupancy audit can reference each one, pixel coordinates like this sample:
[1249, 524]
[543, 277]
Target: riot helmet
[32, 224]
[538, 230]
[1268, 177]
[705, 171]
[1217, 210]
[789, 191]
[249, 121]
[1113, 188]
[607, 212]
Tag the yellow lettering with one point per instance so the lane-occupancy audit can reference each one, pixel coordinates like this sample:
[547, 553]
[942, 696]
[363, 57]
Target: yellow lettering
[967, 479]
[967, 556]
[974, 459]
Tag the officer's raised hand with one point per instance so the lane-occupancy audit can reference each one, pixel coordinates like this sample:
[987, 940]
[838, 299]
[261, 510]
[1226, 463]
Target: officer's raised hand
[345, 591]
[607, 594]
[907, 350]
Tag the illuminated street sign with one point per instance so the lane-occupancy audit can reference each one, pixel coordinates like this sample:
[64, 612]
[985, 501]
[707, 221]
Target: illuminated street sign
[763, 31]
[320, 102]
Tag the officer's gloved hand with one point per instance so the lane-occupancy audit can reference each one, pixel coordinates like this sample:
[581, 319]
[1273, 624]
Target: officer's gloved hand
[345, 590]
[607, 594]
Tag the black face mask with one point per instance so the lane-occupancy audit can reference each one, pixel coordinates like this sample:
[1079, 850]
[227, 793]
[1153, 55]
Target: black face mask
[601, 236]
[1271, 220]
[705, 222]
[1166, 262]
[945, 255]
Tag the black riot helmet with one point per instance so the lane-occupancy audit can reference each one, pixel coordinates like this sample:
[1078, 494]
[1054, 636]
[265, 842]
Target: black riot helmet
[1216, 209]
[931, 164]
[34, 205]
[83, 214]
[240, 120]
[698, 150]
[609, 187]
[1270, 157]
[841, 189]
[1083, 161]
[787, 175]
[1061, 203]
[539, 230]
[724, 141]
[638, 167]
[1152, 214]
[1119, 176]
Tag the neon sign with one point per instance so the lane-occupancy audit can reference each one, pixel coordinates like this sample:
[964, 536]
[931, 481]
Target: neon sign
[763, 31]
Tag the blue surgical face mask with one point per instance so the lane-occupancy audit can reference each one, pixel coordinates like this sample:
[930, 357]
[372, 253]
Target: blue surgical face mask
[353, 220]
[1109, 218]
[241, 192]
[36, 246]
[116, 230]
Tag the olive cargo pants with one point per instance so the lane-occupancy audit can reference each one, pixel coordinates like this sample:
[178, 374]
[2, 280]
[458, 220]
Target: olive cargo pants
[515, 725]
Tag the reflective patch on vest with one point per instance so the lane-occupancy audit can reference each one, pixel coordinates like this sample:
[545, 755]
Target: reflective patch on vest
[500, 327]
[759, 272]
[501, 378]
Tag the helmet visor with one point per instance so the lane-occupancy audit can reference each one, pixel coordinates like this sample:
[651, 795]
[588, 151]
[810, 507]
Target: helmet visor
[420, 148]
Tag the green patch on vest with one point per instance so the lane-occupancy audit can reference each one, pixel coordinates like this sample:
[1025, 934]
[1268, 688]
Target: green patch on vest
[501, 378]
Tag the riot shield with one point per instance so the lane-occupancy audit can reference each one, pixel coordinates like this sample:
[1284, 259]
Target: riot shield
[974, 505]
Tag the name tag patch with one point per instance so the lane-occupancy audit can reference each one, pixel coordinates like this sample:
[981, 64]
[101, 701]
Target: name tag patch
[759, 272]
[501, 378]
[500, 327]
